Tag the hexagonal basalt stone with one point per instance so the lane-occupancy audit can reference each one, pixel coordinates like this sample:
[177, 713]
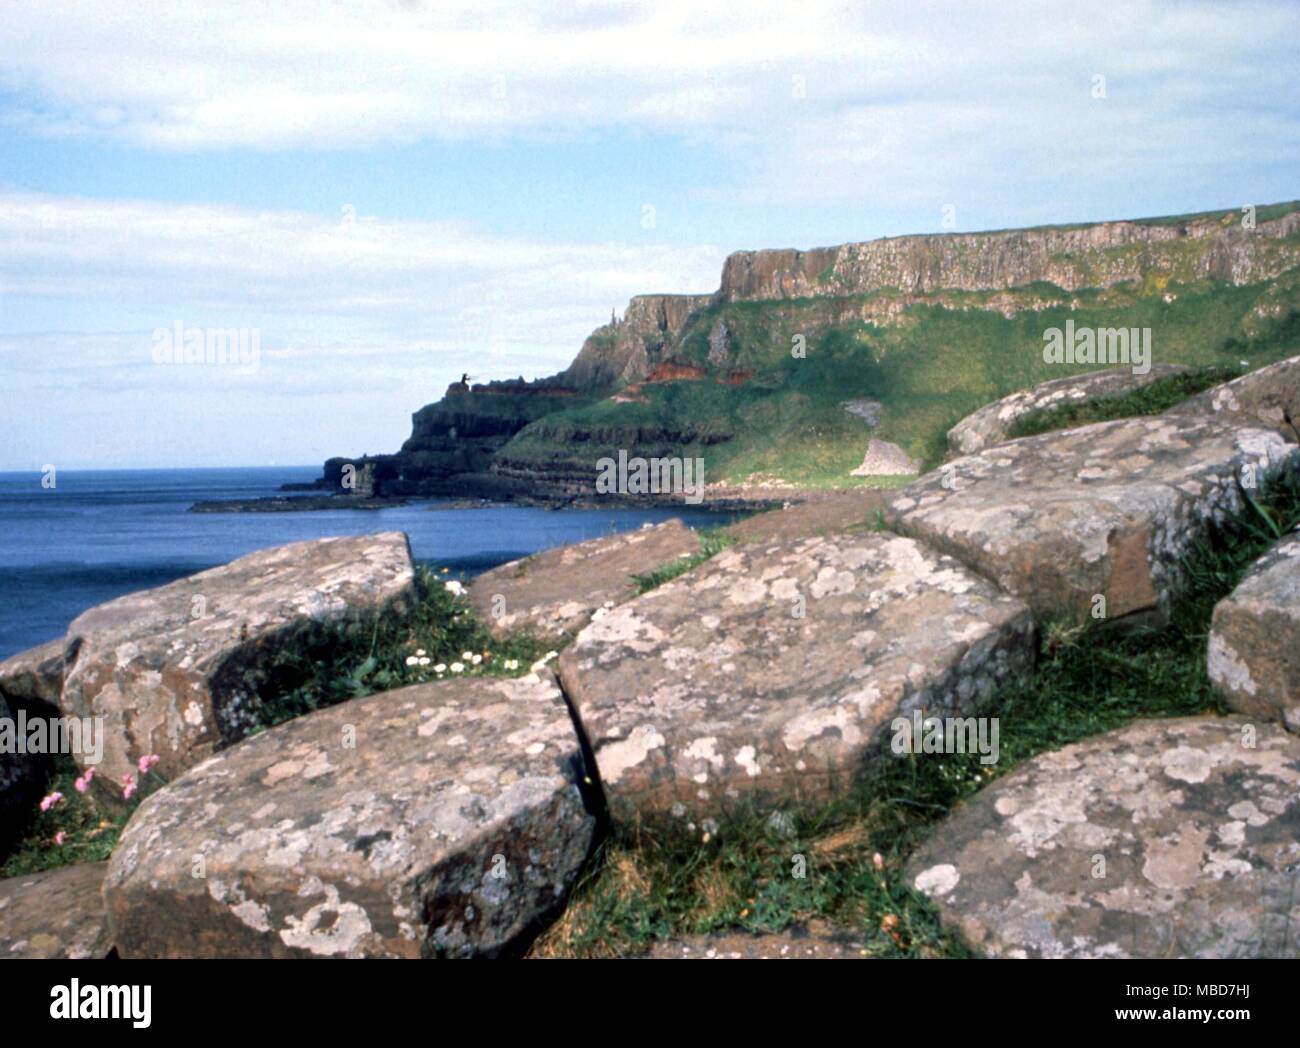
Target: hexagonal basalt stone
[1269, 396]
[555, 593]
[176, 670]
[441, 819]
[774, 670]
[1103, 511]
[56, 913]
[33, 679]
[990, 424]
[1176, 838]
[1254, 648]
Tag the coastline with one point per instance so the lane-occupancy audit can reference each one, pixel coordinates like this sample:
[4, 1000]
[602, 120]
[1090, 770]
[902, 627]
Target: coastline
[717, 499]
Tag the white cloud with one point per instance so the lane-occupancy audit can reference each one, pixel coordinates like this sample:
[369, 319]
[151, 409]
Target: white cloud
[381, 313]
[412, 276]
[319, 74]
[819, 101]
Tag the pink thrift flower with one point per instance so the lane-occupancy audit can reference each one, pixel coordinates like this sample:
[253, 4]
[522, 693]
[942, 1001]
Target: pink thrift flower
[50, 801]
[58, 837]
[146, 763]
[128, 787]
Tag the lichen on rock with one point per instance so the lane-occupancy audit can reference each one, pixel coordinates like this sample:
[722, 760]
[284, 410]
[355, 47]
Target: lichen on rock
[1253, 654]
[1094, 519]
[442, 819]
[1162, 839]
[774, 669]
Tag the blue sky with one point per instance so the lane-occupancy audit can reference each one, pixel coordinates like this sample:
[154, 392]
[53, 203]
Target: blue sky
[391, 193]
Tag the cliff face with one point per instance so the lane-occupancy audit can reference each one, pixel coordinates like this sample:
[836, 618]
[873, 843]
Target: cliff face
[1088, 256]
[1103, 255]
[453, 442]
[685, 374]
[628, 349]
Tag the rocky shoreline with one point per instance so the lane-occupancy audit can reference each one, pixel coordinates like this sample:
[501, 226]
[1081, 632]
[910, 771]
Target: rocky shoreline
[295, 504]
[452, 817]
[728, 499]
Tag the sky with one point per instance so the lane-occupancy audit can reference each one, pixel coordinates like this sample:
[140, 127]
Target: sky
[383, 195]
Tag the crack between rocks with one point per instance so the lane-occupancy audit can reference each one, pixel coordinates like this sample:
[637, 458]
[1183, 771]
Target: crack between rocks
[588, 777]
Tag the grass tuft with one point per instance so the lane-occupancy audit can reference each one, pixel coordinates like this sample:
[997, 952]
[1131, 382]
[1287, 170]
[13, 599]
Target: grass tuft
[1151, 399]
[712, 542]
[89, 833]
[352, 660]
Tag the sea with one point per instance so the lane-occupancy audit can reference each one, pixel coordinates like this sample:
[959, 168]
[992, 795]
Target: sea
[97, 534]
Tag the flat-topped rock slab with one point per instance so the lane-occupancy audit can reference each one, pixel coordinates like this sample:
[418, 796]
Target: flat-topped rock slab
[1102, 511]
[1254, 648]
[990, 424]
[54, 914]
[1269, 396]
[1175, 838]
[34, 678]
[774, 670]
[441, 819]
[555, 593]
[174, 671]
[823, 514]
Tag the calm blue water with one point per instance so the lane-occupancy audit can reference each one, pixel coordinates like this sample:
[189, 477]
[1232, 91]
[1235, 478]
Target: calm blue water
[102, 533]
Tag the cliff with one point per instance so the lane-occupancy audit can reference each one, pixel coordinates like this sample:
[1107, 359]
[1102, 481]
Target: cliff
[626, 350]
[755, 375]
[453, 442]
[1095, 256]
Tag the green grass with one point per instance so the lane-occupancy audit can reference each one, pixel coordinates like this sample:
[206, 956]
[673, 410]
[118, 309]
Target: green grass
[657, 878]
[1151, 399]
[1263, 213]
[90, 830]
[937, 360]
[356, 659]
[1284, 332]
[712, 542]
[90, 833]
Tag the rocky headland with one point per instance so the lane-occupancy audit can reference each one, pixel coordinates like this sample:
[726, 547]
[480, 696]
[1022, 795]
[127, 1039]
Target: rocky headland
[763, 379]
